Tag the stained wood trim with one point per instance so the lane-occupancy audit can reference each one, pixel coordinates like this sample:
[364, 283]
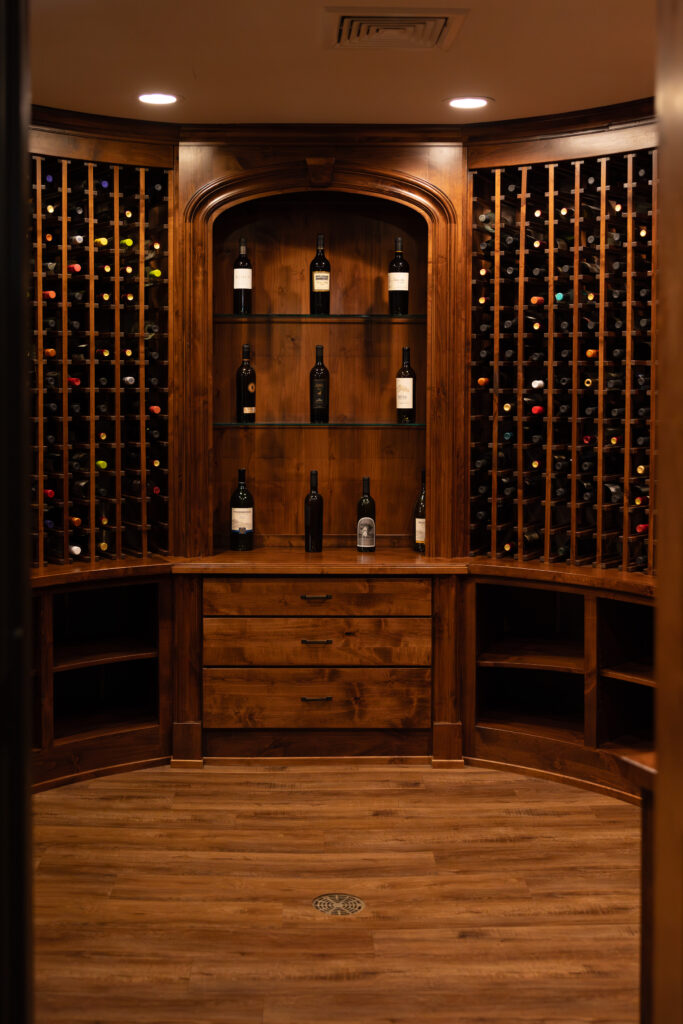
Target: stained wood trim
[578, 143]
[199, 215]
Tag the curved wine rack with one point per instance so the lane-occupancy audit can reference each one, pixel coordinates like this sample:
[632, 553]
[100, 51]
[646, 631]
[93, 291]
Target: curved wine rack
[99, 360]
[562, 361]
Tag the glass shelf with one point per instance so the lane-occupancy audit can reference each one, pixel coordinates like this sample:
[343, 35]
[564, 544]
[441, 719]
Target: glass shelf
[315, 426]
[334, 318]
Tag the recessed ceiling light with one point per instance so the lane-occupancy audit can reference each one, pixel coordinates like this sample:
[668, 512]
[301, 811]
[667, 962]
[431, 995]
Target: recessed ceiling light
[468, 102]
[159, 98]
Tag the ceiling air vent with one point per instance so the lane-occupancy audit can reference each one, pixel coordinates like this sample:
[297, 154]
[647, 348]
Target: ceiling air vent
[397, 29]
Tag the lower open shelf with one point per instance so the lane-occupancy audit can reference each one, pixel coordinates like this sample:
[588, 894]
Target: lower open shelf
[545, 727]
[101, 652]
[534, 654]
[105, 698]
[542, 703]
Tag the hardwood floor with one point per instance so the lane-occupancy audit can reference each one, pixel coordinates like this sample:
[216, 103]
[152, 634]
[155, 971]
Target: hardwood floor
[168, 896]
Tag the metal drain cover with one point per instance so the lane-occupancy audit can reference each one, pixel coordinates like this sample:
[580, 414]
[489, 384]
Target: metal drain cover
[338, 904]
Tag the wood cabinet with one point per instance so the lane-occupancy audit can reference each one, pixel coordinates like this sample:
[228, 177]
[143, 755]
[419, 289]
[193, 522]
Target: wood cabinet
[102, 684]
[317, 698]
[369, 595]
[269, 664]
[549, 687]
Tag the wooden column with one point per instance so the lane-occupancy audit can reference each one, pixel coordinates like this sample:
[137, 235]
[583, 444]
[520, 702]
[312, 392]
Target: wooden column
[447, 716]
[186, 747]
[15, 744]
[668, 858]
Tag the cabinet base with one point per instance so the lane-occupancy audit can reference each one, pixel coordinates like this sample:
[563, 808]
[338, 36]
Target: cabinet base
[326, 743]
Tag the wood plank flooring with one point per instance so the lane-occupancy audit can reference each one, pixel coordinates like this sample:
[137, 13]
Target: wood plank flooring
[184, 897]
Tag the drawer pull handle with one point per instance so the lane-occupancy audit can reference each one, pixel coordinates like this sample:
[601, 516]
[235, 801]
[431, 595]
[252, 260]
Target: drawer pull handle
[316, 597]
[316, 642]
[313, 700]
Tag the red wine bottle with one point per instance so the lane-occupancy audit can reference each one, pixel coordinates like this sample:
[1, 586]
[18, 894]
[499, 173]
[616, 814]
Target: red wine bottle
[398, 282]
[241, 516]
[313, 516]
[246, 389]
[242, 282]
[419, 518]
[405, 390]
[320, 281]
[365, 525]
[319, 389]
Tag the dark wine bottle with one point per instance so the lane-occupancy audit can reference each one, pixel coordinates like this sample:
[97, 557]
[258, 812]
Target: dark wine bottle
[245, 381]
[319, 389]
[241, 516]
[398, 282]
[419, 518]
[313, 516]
[320, 281]
[365, 526]
[405, 391]
[242, 282]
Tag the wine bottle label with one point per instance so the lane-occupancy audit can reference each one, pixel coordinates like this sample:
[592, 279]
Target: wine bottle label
[249, 409]
[241, 277]
[419, 531]
[365, 533]
[319, 395]
[404, 392]
[242, 520]
[398, 282]
[321, 280]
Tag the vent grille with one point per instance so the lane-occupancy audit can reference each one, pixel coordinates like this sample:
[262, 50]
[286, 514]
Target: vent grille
[402, 31]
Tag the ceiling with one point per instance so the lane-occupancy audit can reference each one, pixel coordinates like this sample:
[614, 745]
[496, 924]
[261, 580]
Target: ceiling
[274, 61]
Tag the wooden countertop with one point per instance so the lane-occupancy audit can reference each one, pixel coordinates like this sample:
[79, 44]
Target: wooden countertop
[337, 561]
[347, 561]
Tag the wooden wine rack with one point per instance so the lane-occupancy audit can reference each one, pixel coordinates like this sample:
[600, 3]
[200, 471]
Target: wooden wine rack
[99, 360]
[562, 432]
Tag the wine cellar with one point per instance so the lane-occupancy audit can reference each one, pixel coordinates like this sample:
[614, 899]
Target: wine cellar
[514, 628]
[530, 334]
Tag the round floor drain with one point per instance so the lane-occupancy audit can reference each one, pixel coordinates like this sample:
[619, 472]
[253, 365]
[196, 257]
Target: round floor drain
[338, 904]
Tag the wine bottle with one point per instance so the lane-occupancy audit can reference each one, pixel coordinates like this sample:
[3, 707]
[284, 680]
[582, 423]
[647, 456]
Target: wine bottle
[405, 390]
[313, 516]
[241, 516]
[365, 526]
[246, 388]
[419, 518]
[398, 282]
[319, 389]
[320, 281]
[242, 282]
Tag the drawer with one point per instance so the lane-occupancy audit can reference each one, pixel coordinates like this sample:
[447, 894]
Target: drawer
[315, 698]
[317, 641]
[317, 595]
